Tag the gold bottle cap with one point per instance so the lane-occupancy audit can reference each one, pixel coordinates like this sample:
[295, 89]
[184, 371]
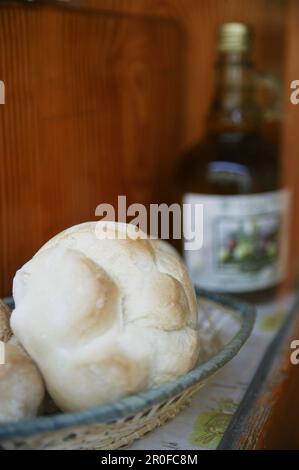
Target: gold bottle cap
[234, 37]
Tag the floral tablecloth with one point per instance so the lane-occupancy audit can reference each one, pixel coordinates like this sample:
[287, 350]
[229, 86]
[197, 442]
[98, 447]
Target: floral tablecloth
[202, 425]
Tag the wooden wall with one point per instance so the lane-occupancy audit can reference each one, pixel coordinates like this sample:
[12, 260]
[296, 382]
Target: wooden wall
[100, 101]
[290, 128]
[282, 431]
[92, 111]
[199, 20]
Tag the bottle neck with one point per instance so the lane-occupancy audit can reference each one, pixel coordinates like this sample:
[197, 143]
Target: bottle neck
[234, 108]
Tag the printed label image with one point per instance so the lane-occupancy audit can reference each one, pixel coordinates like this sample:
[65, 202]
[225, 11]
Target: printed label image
[247, 244]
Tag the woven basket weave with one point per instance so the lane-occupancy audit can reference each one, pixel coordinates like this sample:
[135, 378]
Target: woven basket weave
[116, 435]
[226, 324]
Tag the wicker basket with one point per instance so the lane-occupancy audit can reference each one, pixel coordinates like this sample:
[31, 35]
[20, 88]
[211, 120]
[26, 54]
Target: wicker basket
[226, 324]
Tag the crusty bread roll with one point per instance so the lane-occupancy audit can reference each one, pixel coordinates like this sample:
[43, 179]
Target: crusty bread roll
[21, 385]
[105, 318]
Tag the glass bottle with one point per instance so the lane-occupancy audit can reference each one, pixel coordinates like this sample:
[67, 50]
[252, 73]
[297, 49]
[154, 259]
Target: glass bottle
[235, 174]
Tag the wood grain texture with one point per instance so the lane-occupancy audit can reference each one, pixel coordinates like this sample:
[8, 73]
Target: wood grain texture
[100, 101]
[281, 429]
[290, 132]
[199, 20]
[276, 32]
[92, 111]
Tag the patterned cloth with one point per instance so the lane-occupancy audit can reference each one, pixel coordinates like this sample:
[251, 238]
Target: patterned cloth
[202, 425]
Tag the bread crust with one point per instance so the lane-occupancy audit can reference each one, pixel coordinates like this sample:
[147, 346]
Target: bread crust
[21, 385]
[105, 318]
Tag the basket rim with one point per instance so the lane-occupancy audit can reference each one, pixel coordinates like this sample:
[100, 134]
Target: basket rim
[131, 405]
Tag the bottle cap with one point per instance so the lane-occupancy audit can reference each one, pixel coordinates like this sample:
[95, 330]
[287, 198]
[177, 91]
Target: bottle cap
[234, 37]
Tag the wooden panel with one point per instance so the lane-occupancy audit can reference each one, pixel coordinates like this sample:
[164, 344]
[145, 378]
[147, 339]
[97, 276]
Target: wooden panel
[199, 20]
[290, 131]
[92, 111]
[276, 30]
[101, 100]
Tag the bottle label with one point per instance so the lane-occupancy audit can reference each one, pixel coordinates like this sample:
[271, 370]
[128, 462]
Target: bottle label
[245, 241]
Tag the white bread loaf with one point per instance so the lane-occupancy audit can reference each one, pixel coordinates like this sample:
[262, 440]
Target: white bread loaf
[105, 318]
[5, 331]
[21, 385]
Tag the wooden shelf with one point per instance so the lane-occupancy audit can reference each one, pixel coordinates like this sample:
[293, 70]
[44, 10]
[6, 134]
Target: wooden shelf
[267, 415]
